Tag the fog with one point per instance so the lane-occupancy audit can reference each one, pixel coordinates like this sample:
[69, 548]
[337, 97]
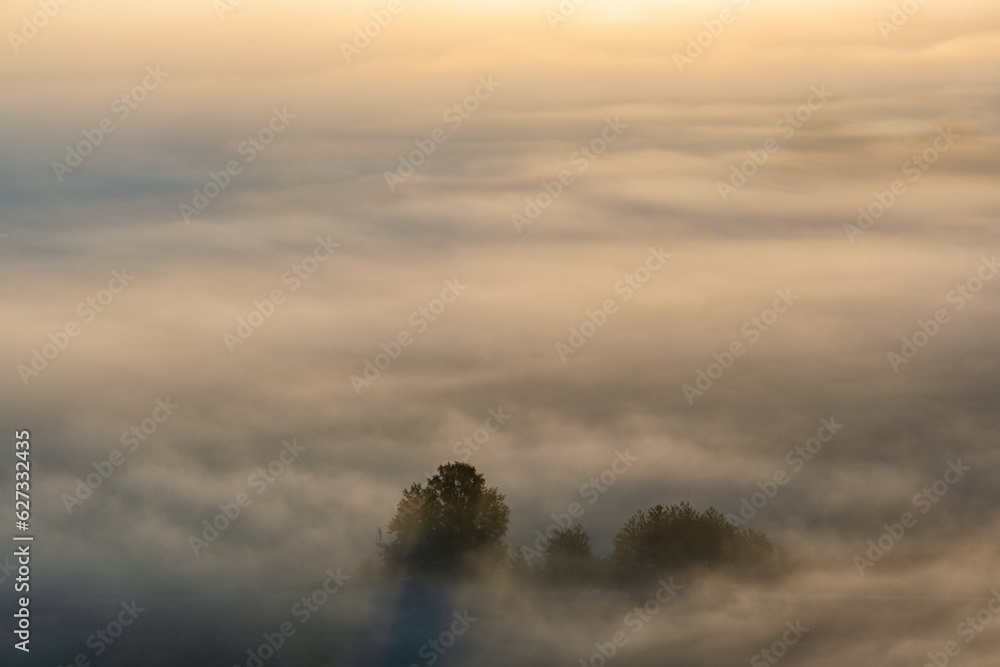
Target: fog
[581, 154]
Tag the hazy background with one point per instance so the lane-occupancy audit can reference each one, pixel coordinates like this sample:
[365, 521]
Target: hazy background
[494, 347]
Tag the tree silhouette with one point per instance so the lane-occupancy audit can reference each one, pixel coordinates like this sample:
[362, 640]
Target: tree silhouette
[568, 557]
[450, 526]
[455, 525]
[679, 537]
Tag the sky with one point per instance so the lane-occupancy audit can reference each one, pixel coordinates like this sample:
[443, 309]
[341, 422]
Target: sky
[696, 232]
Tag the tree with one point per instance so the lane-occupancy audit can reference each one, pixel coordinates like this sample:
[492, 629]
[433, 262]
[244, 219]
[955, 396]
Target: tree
[449, 526]
[679, 537]
[568, 556]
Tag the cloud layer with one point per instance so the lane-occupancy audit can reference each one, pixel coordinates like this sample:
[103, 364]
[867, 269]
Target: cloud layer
[665, 184]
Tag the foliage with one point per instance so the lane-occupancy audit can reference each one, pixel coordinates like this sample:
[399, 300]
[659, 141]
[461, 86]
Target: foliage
[455, 525]
[450, 526]
[678, 537]
[568, 557]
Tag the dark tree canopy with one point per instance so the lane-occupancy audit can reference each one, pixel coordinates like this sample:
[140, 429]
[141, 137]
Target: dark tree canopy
[677, 537]
[455, 525]
[449, 526]
[568, 556]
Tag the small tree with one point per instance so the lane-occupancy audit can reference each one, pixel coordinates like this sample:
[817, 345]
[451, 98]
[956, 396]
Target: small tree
[568, 556]
[679, 537]
[447, 526]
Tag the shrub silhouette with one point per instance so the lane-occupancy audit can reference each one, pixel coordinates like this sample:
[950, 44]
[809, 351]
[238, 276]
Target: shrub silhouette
[450, 526]
[679, 537]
